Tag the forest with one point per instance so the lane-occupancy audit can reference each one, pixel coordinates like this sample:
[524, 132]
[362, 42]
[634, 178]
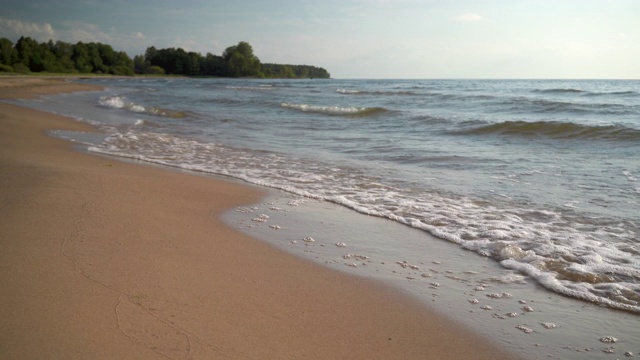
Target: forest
[29, 56]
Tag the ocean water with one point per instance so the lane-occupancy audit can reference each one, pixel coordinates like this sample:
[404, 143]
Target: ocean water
[541, 177]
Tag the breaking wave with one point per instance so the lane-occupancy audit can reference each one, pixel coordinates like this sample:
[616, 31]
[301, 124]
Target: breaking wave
[571, 255]
[119, 102]
[335, 110]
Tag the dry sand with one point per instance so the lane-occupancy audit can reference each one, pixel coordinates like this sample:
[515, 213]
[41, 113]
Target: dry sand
[101, 259]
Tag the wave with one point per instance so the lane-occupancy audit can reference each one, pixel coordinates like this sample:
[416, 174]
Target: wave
[560, 252]
[584, 92]
[619, 93]
[118, 102]
[368, 92]
[520, 104]
[335, 110]
[556, 130]
[559, 91]
[263, 87]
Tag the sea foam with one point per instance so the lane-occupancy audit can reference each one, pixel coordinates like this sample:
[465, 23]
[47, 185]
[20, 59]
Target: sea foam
[528, 240]
[334, 110]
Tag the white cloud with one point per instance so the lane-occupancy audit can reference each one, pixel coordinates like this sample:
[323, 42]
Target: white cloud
[468, 17]
[15, 28]
[84, 32]
[73, 32]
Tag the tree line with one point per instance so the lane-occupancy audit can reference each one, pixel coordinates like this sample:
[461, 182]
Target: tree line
[27, 55]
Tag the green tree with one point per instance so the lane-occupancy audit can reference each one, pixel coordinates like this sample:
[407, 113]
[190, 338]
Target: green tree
[80, 57]
[140, 64]
[63, 52]
[8, 55]
[213, 65]
[28, 53]
[241, 61]
[50, 62]
[155, 70]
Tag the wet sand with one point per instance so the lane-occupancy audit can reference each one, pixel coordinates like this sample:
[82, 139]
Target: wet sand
[104, 259]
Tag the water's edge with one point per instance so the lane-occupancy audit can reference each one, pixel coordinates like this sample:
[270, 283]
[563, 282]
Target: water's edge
[502, 305]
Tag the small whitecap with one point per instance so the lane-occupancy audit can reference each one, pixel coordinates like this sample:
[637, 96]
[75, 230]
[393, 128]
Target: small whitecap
[137, 108]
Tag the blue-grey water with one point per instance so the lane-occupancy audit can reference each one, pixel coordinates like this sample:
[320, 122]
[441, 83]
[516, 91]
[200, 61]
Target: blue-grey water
[541, 176]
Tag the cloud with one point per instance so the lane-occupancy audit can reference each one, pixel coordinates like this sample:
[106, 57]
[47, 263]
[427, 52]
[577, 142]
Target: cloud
[75, 31]
[468, 17]
[86, 33]
[15, 28]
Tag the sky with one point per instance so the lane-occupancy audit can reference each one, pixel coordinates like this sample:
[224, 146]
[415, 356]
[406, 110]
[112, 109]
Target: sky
[417, 39]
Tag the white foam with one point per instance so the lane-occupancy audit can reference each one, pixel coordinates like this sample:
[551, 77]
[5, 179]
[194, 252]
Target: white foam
[500, 295]
[330, 110]
[346, 91]
[609, 340]
[522, 239]
[524, 329]
[118, 102]
[112, 101]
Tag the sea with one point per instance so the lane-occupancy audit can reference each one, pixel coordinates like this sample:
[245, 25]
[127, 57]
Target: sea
[498, 199]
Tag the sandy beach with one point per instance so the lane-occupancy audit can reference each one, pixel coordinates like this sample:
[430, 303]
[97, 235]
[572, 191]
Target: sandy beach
[102, 259]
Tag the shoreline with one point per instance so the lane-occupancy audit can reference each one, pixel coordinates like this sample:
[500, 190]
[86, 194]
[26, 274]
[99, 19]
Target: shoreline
[109, 259]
